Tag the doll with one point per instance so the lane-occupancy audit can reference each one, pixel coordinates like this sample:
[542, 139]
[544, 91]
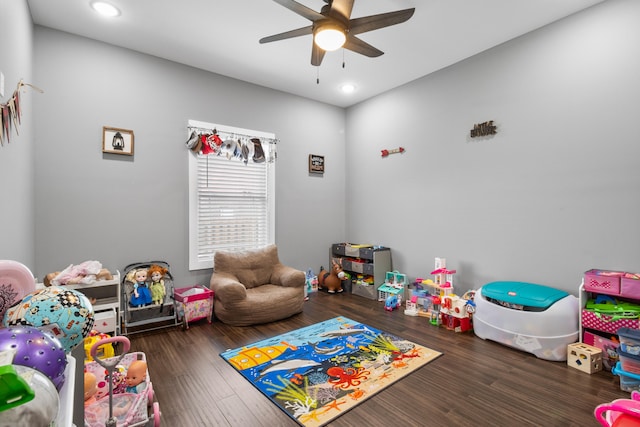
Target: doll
[141, 294]
[136, 375]
[90, 388]
[85, 273]
[158, 290]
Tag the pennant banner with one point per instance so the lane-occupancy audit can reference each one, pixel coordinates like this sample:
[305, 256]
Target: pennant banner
[10, 113]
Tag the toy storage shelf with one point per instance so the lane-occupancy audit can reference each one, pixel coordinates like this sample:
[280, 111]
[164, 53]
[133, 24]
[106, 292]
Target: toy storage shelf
[366, 260]
[601, 331]
[107, 303]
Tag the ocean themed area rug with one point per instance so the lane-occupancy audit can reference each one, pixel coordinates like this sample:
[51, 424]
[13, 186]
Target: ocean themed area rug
[317, 373]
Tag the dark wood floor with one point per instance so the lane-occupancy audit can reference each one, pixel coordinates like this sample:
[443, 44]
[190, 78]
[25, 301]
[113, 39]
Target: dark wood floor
[475, 382]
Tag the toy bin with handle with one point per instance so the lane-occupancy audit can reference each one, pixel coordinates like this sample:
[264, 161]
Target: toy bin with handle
[628, 380]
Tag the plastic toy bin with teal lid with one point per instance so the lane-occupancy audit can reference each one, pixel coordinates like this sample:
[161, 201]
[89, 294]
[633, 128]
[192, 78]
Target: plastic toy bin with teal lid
[527, 316]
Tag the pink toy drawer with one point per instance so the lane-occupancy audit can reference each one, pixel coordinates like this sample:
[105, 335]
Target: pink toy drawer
[630, 286]
[605, 323]
[603, 282]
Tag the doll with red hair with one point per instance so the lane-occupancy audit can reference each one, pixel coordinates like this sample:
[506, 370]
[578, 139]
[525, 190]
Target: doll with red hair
[158, 290]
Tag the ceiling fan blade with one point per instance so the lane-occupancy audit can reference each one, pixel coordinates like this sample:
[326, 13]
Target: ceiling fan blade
[301, 10]
[288, 34]
[341, 9]
[317, 55]
[374, 22]
[354, 44]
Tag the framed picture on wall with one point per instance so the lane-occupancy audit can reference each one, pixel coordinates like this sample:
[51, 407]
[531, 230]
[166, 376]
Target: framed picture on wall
[316, 163]
[117, 141]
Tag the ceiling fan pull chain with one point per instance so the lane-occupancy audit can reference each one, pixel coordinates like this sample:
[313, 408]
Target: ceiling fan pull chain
[342, 58]
[317, 75]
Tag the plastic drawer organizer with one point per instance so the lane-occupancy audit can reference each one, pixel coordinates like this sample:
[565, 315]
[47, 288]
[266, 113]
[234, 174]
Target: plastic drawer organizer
[533, 318]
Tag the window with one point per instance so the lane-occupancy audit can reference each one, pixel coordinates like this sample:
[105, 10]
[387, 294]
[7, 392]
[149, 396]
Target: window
[231, 203]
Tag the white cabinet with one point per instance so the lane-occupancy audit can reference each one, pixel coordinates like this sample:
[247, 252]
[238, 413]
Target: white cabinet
[105, 297]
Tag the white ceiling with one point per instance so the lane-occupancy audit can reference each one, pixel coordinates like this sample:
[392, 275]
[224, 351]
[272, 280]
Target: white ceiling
[222, 36]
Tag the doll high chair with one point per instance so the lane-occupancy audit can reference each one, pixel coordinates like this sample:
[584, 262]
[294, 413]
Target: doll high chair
[620, 412]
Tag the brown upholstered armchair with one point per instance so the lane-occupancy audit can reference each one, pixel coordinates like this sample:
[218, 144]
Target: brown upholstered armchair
[253, 287]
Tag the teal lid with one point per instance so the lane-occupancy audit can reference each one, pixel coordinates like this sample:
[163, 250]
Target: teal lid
[522, 293]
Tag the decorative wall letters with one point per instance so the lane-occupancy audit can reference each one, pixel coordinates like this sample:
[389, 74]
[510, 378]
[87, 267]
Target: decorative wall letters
[483, 129]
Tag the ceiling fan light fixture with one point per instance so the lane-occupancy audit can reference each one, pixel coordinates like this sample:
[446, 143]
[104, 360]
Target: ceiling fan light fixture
[329, 36]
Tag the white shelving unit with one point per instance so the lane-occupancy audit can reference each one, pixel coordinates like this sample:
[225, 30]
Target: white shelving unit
[107, 303]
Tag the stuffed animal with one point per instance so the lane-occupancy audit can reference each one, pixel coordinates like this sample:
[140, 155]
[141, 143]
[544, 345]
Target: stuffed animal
[332, 280]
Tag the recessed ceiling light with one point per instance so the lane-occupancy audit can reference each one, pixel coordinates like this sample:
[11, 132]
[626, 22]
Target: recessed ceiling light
[348, 88]
[105, 9]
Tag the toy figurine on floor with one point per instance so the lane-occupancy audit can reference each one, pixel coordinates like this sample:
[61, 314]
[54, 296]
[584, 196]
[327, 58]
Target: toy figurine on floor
[141, 295]
[158, 290]
[331, 280]
[136, 374]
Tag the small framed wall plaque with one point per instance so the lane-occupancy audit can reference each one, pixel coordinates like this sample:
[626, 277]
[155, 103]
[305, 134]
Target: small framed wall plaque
[316, 164]
[117, 141]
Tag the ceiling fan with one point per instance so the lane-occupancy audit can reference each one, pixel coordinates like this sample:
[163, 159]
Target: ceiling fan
[333, 28]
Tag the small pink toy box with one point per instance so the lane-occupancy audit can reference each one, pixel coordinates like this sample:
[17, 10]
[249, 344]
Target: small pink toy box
[195, 303]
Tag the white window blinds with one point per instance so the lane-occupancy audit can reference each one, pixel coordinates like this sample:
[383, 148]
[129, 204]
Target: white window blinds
[231, 202]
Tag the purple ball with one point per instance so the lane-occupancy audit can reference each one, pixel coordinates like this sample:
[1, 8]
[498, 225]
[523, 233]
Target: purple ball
[36, 349]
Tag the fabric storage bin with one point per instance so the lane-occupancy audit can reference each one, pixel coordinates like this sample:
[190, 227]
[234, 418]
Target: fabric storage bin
[357, 266]
[630, 286]
[608, 346]
[355, 251]
[603, 281]
[606, 323]
[365, 290]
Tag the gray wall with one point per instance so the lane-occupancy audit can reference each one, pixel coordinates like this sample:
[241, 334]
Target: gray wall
[16, 159]
[553, 194]
[118, 209]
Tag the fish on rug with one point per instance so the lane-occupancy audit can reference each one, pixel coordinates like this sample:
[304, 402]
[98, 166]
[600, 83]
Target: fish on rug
[317, 373]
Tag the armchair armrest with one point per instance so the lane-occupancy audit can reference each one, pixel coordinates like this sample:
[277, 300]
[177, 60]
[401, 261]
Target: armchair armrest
[226, 287]
[287, 276]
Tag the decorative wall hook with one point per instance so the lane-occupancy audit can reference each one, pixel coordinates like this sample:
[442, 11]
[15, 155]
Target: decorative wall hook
[385, 153]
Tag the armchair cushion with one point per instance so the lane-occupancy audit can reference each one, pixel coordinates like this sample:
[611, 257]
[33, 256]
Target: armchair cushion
[253, 287]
